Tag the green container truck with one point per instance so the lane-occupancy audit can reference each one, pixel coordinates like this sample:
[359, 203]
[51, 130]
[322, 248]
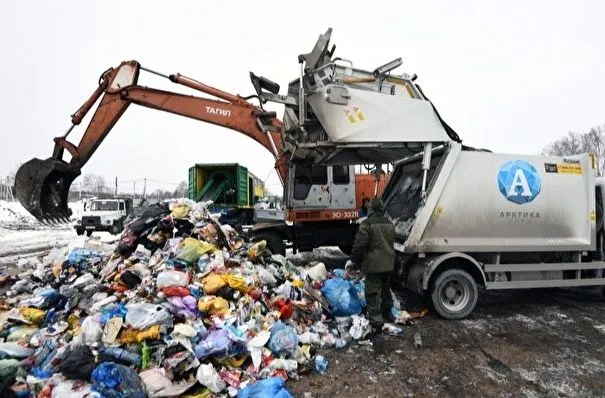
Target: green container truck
[230, 186]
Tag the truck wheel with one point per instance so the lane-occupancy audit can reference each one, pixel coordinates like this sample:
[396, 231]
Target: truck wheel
[89, 232]
[80, 232]
[274, 243]
[454, 294]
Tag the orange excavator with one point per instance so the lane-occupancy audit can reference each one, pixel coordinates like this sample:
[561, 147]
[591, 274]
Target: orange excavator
[42, 186]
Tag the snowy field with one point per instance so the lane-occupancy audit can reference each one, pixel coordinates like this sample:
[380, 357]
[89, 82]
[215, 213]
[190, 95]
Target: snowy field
[22, 236]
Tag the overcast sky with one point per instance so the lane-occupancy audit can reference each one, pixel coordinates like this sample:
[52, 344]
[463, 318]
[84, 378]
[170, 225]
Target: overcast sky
[509, 76]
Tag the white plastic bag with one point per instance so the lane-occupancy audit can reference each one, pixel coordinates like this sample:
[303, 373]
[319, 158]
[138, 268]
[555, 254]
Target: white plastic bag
[266, 277]
[172, 278]
[144, 315]
[318, 273]
[360, 328]
[209, 377]
[91, 331]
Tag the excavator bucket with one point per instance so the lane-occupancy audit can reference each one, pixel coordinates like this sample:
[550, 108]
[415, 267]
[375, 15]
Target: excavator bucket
[42, 187]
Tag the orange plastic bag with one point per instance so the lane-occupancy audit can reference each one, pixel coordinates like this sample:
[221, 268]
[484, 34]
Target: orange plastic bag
[214, 306]
[129, 336]
[212, 283]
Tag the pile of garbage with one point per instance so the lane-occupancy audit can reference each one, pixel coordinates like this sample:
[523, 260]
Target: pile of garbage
[180, 306]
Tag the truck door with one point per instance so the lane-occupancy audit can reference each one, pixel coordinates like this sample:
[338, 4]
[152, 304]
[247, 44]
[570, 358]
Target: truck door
[310, 187]
[342, 187]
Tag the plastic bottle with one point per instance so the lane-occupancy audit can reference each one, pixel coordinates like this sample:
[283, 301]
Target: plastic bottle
[321, 364]
[417, 340]
[122, 355]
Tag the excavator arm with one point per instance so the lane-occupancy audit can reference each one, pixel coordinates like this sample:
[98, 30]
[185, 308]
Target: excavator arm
[42, 186]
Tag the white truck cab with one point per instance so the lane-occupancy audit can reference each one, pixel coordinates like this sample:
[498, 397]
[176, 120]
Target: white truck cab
[104, 215]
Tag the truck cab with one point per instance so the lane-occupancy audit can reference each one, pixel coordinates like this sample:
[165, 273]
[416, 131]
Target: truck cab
[104, 215]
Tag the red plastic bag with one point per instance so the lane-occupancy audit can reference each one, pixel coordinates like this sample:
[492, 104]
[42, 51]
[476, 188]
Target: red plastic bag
[179, 291]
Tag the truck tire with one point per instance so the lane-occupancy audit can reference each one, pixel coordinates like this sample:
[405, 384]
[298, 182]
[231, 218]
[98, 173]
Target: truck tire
[274, 242]
[80, 231]
[454, 294]
[89, 232]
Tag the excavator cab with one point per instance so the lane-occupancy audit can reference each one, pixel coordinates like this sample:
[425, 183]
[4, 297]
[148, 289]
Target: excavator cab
[42, 187]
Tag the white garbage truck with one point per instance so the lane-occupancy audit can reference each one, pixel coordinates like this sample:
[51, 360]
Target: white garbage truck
[463, 217]
[466, 218]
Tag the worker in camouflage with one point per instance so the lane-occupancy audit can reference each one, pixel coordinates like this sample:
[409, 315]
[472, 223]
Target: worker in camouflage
[373, 253]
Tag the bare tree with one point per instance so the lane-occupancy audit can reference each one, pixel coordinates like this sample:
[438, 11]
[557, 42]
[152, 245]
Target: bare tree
[11, 175]
[181, 190]
[99, 184]
[88, 182]
[575, 143]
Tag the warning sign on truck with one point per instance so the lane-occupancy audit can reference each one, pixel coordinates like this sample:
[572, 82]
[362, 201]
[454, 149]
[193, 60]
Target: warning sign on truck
[563, 168]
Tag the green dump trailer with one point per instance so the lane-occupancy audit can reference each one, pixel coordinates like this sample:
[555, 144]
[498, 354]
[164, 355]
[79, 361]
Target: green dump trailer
[230, 186]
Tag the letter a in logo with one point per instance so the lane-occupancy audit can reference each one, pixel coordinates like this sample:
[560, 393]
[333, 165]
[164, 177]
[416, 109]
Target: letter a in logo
[519, 181]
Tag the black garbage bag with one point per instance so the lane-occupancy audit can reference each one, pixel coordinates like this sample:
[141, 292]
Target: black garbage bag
[130, 279]
[78, 363]
[140, 224]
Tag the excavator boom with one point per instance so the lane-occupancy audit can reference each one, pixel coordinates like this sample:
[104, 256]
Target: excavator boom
[42, 186]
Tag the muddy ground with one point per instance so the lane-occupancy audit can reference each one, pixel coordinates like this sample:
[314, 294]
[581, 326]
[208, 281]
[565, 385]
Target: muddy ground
[524, 343]
[541, 343]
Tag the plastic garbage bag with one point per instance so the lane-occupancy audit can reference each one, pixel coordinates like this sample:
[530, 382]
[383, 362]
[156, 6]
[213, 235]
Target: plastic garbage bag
[209, 377]
[318, 273]
[144, 315]
[192, 249]
[9, 369]
[273, 387]
[53, 257]
[213, 305]
[266, 277]
[158, 384]
[33, 315]
[80, 256]
[116, 311]
[212, 283]
[115, 380]
[15, 350]
[183, 306]
[283, 339]
[255, 346]
[342, 297]
[360, 327]
[71, 389]
[236, 282]
[78, 363]
[90, 331]
[216, 343]
[21, 334]
[171, 278]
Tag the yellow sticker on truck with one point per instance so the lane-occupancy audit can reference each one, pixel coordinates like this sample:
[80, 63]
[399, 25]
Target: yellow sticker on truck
[563, 168]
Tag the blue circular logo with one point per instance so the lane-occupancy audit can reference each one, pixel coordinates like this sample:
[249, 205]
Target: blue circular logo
[519, 181]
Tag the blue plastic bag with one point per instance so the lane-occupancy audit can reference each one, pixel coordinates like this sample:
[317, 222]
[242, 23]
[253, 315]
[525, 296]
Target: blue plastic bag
[283, 339]
[114, 311]
[216, 343]
[267, 388]
[117, 381]
[81, 256]
[342, 297]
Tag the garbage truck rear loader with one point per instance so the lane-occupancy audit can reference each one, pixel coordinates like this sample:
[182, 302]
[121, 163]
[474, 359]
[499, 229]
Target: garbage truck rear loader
[472, 218]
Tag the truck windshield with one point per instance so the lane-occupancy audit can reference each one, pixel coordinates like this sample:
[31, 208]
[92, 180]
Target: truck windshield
[104, 206]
